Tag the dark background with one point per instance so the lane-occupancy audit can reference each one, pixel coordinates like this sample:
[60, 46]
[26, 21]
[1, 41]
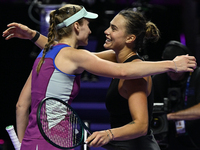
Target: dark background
[173, 17]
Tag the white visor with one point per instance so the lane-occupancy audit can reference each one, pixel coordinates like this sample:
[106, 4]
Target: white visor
[80, 14]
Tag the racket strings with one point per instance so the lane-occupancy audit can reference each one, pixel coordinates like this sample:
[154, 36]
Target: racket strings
[67, 132]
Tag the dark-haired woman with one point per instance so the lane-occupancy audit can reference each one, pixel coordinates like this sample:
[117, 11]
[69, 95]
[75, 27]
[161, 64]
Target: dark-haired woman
[60, 64]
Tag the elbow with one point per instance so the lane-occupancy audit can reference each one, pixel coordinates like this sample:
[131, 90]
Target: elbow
[18, 107]
[144, 130]
[129, 74]
[21, 110]
[124, 73]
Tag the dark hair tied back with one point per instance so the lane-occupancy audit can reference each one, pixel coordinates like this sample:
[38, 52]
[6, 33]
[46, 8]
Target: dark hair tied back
[136, 24]
[152, 32]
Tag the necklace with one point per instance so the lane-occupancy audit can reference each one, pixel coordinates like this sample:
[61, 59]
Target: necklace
[128, 56]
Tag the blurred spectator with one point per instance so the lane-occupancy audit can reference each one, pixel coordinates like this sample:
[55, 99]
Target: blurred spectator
[183, 93]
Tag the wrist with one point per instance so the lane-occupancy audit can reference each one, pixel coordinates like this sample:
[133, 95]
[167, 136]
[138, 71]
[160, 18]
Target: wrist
[35, 36]
[112, 135]
[108, 135]
[170, 65]
[31, 34]
[176, 69]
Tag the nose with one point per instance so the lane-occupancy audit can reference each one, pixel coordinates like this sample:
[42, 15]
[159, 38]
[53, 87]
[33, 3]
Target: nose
[106, 31]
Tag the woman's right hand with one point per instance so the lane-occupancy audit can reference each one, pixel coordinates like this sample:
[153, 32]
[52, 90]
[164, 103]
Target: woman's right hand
[17, 30]
[184, 63]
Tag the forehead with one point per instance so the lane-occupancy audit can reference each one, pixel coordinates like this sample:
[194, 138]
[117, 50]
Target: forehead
[118, 21]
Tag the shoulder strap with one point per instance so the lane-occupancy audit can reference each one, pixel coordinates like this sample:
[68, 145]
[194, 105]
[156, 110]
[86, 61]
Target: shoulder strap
[133, 57]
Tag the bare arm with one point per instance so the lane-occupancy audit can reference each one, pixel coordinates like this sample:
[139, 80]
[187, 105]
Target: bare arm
[135, 91]
[22, 109]
[17, 30]
[131, 70]
[191, 113]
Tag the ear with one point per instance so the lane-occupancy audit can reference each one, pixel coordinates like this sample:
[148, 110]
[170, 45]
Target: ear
[131, 38]
[76, 26]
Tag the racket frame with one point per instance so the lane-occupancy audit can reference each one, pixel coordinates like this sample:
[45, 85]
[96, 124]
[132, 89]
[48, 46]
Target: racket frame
[82, 124]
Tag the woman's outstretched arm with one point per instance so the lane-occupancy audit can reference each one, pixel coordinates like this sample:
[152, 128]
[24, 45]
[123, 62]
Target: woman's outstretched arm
[131, 70]
[17, 30]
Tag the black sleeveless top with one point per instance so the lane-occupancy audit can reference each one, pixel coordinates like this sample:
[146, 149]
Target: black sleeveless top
[118, 106]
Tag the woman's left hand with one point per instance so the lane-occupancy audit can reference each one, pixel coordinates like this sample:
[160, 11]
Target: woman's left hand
[98, 138]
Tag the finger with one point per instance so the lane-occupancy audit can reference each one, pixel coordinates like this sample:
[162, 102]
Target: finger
[89, 139]
[6, 33]
[9, 30]
[100, 143]
[10, 36]
[190, 70]
[93, 142]
[192, 58]
[192, 66]
[12, 24]
[192, 62]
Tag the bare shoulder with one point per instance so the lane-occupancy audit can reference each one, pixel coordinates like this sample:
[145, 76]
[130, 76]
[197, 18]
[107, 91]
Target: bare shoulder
[73, 58]
[79, 57]
[82, 54]
[73, 53]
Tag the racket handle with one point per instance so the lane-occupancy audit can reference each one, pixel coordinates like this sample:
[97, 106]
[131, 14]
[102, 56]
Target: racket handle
[13, 136]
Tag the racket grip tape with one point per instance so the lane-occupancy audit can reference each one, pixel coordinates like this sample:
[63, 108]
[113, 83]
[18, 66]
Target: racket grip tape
[13, 136]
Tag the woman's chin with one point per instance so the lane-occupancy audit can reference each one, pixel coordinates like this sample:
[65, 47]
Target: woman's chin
[106, 46]
[83, 44]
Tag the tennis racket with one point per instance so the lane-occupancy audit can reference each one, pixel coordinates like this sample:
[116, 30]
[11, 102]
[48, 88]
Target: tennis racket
[13, 136]
[61, 126]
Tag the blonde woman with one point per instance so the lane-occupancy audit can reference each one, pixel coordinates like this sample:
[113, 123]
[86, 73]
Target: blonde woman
[60, 64]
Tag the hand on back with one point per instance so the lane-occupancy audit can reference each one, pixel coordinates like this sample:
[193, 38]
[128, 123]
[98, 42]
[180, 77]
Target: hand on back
[17, 30]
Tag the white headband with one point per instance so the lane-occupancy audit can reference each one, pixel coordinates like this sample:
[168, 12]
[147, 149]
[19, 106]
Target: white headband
[80, 14]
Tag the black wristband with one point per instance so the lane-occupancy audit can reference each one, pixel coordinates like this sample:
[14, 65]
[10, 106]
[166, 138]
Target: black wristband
[35, 38]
